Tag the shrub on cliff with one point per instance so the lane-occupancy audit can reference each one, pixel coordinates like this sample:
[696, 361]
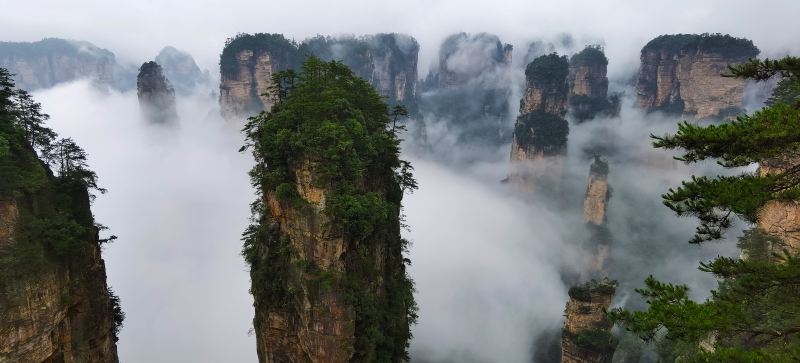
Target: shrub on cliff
[542, 131]
[549, 71]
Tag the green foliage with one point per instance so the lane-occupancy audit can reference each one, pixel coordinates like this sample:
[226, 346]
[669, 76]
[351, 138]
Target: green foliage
[786, 91]
[584, 292]
[760, 246]
[592, 54]
[117, 315]
[724, 45]
[60, 233]
[753, 315]
[330, 122]
[763, 69]
[542, 130]
[584, 107]
[595, 340]
[746, 140]
[549, 71]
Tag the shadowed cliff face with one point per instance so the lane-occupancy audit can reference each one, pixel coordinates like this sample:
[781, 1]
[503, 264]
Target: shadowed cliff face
[179, 67]
[680, 74]
[388, 61]
[466, 99]
[51, 61]
[55, 305]
[156, 95]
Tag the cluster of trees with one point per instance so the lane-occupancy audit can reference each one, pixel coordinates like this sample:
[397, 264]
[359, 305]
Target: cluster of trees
[722, 44]
[549, 71]
[23, 126]
[754, 315]
[542, 131]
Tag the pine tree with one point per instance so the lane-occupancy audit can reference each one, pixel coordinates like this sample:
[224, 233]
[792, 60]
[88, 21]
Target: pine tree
[754, 314]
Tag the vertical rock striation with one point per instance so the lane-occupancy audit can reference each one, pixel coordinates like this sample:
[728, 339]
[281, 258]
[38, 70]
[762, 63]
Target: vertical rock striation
[597, 193]
[588, 84]
[246, 67]
[52, 61]
[680, 74]
[156, 95]
[586, 337]
[540, 132]
[595, 204]
[388, 61]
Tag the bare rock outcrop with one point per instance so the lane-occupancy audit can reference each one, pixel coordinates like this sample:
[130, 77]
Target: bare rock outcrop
[588, 85]
[586, 337]
[156, 95]
[595, 250]
[540, 132]
[52, 61]
[597, 193]
[680, 74]
[781, 218]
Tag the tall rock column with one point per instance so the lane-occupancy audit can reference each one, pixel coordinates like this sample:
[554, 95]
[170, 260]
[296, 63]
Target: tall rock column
[595, 204]
[586, 337]
[680, 74]
[156, 95]
[540, 133]
[588, 84]
[326, 256]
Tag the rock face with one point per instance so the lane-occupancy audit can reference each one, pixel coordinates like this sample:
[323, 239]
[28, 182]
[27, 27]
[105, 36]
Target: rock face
[319, 328]
[51, 61]
[586, 336]
[179, 67]
[680, 74]
[55, 305]
[540, 132]
[246, 67]
[468, 95]
[597, 193]
[388, 61]
[588, 84]
[546, 85]
[156, 95]
[777, 217]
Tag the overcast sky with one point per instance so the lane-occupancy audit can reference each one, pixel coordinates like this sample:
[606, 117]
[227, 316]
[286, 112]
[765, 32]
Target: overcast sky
[137, 30]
